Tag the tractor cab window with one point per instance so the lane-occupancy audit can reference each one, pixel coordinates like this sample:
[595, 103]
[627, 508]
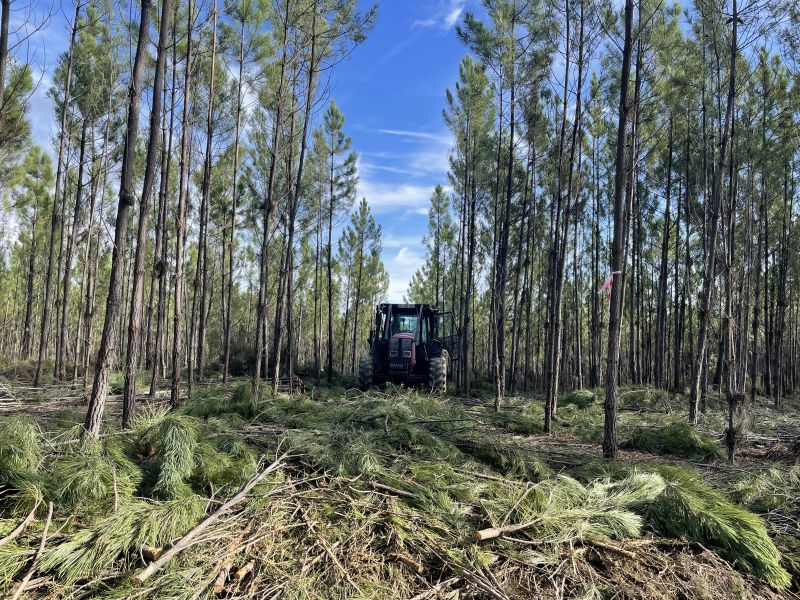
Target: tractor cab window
[403, 324]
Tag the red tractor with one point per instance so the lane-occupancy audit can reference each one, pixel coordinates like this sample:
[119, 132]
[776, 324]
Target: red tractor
[410, 344]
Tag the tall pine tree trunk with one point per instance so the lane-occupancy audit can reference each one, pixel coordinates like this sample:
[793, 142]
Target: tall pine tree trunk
[226, 359]
[261, 309]
[180, 222]
[610, 445]
[151, 162]
[63, 334]
[108, 340]
[199, 317]
[159, 362]
[705, 298]
[661, 308]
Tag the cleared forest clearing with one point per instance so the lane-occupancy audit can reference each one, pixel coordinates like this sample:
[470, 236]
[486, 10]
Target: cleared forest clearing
[393, 494]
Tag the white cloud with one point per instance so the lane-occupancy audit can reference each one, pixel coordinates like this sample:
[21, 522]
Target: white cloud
[365, 168]
[393, 242]
[431, 162]
[422, 135]
[386, 197]
[429, 22]
[430, 158]
[445, 16]
[402, 268]
[452, 17]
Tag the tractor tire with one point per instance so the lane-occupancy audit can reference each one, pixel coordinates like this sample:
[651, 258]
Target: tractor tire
[365, 372]
[438, 374]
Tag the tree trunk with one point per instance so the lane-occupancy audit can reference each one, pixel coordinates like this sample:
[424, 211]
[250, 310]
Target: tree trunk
[180, 222]
[781, 304]
[27, 333]
[704, 300]
[661, 309]
[226, 359]
[502, 253]
[610, 445]
[201, 270]
[284, 285]
[310, 91]
[261, 309]
[559, 254]
[5, 6]
[61, 369]
[94, 414]
[135, 321]
[160, 269]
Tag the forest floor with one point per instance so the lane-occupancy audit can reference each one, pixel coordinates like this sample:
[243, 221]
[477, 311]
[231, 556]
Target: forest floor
[392, 494]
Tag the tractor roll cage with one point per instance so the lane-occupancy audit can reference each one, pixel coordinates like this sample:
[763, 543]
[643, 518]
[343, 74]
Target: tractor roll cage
[438, 326]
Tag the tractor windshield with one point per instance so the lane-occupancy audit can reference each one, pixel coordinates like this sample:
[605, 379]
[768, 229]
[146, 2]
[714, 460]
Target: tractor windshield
[403, 324]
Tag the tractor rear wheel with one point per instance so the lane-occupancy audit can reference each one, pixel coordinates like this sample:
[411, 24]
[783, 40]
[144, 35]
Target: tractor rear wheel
[365, 372]
[438, 374]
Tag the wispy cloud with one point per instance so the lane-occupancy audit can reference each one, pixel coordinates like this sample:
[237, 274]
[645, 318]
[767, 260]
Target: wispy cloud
[397, 49]
[395, 242]
[451, 18]
[366, 168]
[402, 267]
[422, 135]
[385, 197]
[445, 15]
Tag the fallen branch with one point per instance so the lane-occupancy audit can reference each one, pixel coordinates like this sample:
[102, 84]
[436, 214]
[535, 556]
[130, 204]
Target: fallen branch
[491, 533]
[24, 583]
[329, 551]
[561, 421]
[224, 566]
[18, 529]
[434, 591]
[391, 490]
[186, 540]
[242, 573]
[408, 561]
[150, 554]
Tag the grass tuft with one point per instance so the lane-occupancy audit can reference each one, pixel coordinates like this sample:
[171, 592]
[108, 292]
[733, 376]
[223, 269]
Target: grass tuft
[579, 399]
[678, 438]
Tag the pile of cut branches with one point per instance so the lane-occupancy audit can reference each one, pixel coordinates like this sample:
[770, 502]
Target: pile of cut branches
[390, 494]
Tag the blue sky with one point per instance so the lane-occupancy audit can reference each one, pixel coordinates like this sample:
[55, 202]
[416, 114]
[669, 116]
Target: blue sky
[392, 92]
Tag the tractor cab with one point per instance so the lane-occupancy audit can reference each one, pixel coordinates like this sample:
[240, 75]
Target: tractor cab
[408, 344]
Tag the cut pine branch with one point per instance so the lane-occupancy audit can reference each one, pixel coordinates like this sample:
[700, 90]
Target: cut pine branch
[25, 522]
[491, 533]
[24, 583]
[186, 540]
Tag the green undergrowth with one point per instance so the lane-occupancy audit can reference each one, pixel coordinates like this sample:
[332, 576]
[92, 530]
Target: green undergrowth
[775, 494]
[690, 509]
[647, 422]
[365, 437]
[146, 486]
[678, 438]
[376, 484]
[581, 399]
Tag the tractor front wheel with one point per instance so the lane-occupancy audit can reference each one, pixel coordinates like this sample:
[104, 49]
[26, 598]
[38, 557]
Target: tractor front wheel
[438, 374]
[365, 372]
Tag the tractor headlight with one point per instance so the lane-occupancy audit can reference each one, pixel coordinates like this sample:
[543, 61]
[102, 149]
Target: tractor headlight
[407, 353]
